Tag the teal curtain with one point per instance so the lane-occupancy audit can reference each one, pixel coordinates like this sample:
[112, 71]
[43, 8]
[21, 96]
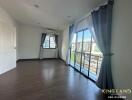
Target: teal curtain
[57, 48]
[41, 44]
[102, 22]
[56, 40]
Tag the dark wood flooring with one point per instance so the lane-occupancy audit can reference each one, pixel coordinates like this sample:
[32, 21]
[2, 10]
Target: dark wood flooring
[46, 80]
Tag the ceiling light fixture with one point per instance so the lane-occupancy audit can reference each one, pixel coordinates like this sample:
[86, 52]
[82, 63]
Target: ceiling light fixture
[68, 16]
[36, 6]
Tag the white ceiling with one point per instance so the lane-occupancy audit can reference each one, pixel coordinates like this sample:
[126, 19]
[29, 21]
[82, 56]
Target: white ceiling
[51, 13]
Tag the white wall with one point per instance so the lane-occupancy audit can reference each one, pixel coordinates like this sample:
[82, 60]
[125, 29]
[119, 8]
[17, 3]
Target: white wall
[50, 53]
[121, 44]
[29, 38]
[28, 41]
[65, 38]
[60, 43]
[7, 42]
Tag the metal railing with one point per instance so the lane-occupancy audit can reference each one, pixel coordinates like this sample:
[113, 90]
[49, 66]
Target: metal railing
[95, 62]
[90, 62]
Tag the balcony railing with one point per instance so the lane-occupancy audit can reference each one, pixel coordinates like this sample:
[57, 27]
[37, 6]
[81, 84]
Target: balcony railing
[90, 62]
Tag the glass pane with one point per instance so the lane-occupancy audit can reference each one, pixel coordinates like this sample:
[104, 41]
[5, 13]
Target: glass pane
[85, 64]
[72, 58]
[86, 52]
[79, 41]
[87, 41]
[78, 60]
[46, 42]
[52, 42]
[93, 64]
[79, 48]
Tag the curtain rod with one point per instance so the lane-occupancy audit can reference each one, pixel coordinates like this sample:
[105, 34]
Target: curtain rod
[94, 9]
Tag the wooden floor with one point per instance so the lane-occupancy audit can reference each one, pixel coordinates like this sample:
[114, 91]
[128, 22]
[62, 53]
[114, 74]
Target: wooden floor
[46, 80]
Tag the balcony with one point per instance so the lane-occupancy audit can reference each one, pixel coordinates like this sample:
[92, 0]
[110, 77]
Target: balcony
[88, 64]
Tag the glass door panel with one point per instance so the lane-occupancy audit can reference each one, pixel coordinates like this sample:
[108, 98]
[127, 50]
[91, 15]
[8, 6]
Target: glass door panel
[72, 58]
[86, 52]
[85, 64]
[78, 50]
[78, 60]
[79, 41]
[87, 41]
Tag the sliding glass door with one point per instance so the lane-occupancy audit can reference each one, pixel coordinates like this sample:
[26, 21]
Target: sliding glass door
[86, 52]
[85, 55]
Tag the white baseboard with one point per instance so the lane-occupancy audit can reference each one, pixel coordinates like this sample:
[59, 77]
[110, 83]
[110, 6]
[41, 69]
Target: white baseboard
[6, 70]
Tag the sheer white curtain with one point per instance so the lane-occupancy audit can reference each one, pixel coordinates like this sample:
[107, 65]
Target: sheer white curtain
[71, 34]
[85, 23]
[41, 45]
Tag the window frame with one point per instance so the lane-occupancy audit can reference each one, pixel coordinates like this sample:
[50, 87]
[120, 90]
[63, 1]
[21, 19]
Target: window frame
[49, 42]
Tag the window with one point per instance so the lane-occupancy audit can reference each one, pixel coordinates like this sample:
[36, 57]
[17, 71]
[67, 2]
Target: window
[49, 42]
[85, 55]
